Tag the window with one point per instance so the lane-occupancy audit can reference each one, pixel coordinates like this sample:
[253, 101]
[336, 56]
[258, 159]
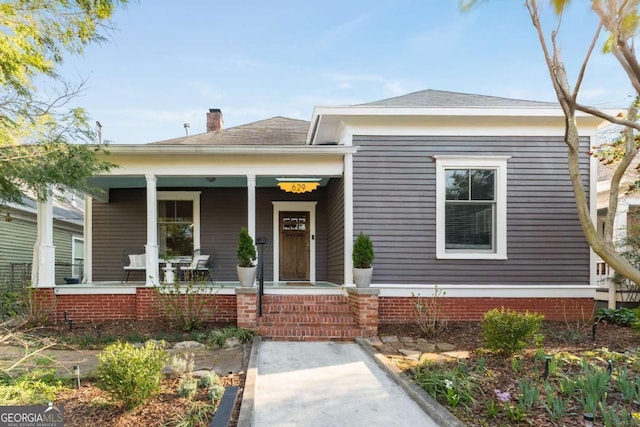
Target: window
[77, 261]
[178, 223]
[471, 207]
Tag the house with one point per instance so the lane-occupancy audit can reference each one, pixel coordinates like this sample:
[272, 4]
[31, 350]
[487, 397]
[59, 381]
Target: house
[611, 292]
[18, 233]
[464, 195]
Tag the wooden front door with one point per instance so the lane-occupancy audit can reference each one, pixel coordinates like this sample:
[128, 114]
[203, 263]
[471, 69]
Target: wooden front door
[294, 246]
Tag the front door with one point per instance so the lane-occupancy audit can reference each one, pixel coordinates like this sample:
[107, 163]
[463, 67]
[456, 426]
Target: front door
[294, 246]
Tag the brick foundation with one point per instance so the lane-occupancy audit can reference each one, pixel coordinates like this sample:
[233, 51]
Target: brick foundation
[143, 305]
[399, 310]
[368, 309]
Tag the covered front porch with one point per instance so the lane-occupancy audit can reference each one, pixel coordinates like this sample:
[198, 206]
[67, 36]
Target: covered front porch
[179, 200]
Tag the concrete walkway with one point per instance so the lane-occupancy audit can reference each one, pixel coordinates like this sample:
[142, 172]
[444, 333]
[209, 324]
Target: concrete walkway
[318, 384]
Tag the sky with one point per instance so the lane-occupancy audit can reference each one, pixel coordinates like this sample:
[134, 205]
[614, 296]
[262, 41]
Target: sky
[168, 62]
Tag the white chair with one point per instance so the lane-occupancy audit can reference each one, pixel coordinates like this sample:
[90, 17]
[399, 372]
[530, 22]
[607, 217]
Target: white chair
[133, 262]
[199, 267]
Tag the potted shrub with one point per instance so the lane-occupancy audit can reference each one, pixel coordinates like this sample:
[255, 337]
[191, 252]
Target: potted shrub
[246, 257]
[362, 256]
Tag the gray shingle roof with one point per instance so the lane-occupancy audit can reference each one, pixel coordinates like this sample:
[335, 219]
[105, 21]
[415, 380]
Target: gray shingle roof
[273, 131]
[440, 98]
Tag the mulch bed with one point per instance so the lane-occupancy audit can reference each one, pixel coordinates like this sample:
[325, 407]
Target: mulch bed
[558, 337]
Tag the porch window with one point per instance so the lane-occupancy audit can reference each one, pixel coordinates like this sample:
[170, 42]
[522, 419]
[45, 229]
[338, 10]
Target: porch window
[77, 257]
[471, 207]
[178, 223]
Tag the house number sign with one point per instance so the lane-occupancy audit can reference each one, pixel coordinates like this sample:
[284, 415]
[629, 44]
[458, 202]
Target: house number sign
[298, 187]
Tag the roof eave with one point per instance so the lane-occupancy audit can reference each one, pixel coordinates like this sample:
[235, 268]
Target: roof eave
[146, 149]
[536, 112]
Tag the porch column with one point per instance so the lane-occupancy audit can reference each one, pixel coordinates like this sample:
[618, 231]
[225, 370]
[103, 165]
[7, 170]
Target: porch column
[88, 240]
[44, 255]
[251, 205]
[151, 248]
[348, 218]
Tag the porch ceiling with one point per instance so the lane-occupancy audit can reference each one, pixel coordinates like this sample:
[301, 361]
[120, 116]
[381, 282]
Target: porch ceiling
[108, 182]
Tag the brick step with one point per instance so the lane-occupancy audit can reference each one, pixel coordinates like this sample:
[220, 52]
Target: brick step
[337, 309]
[305, 299]
[291, 319]
[309, 333]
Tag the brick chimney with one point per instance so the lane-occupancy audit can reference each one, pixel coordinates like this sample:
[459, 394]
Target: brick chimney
[214, 120]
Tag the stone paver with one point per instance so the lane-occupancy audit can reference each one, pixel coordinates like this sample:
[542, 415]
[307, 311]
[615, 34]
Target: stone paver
[388, 339]
[411, 354]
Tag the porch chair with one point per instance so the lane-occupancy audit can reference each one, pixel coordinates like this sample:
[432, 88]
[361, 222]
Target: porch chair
[133, 260]
[200, 267]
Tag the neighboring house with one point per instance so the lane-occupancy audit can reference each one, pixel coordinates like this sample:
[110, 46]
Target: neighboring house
[18, 234]
[466, 194]
[627, 220]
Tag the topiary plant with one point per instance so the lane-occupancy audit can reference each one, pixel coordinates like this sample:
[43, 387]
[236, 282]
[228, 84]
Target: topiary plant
[362, 254]
[246, 249]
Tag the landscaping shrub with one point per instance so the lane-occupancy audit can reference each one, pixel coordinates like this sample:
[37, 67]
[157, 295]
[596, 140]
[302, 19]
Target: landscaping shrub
[507, 331]
[215, 393]
[187, 387]
[218, 337]
[209, 379]
[12, 303]
[31, 388]
[620, 316]
[185, 306]
[454, 386]
[131, 375]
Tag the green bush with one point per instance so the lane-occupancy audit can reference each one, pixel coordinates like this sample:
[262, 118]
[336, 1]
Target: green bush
[362, 254]
[209, 379]
[619, 316]
[507, 331]
[215, 393]
[246, 249]
[218, 337]
[131, 375]
[31, 388]
[187, 387]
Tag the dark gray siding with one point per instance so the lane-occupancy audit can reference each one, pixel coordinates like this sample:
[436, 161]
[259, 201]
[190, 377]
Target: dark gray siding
[121, 224]
[118, 225]
[335, 232]
[394, 202]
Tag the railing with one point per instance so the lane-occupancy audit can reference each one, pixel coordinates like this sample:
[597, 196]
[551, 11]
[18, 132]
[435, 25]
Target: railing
[260, 242]
[17, 275]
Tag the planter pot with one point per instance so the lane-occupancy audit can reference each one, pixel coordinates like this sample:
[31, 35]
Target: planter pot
[362, 277]
[246, 276]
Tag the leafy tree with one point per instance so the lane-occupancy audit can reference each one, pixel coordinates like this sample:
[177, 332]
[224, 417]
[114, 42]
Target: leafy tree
[43, 141]
[619, 20]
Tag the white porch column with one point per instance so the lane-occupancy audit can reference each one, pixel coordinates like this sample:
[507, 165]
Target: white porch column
[151, 248]
[44, 251]
[348, 218]
[88, 240]
[251, 205]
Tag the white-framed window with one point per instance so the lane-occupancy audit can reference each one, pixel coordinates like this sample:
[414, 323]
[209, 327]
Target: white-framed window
[178, 222]
[77, 257]
[471, 207]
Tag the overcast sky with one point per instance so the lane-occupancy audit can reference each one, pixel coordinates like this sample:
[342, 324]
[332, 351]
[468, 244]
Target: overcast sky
[168, 62]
